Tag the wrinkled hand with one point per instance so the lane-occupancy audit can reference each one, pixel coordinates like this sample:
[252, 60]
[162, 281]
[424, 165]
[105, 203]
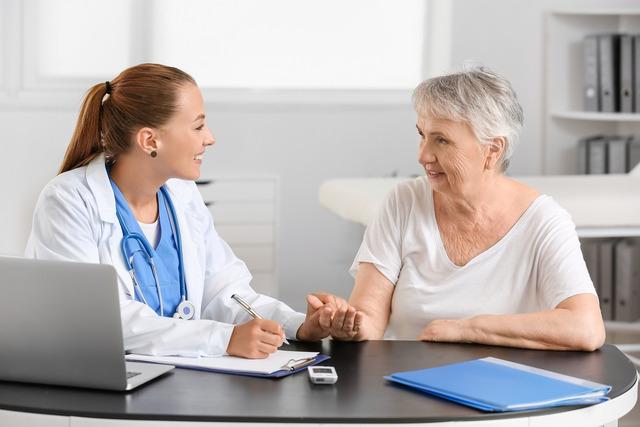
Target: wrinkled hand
[330, 315]
[449, 330]
[317, 324]
[346, 324]
[255, 339]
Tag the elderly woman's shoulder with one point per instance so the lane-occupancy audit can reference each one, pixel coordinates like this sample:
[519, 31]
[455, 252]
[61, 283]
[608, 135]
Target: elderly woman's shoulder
[529, 199]
[548, 213]
[415, 188]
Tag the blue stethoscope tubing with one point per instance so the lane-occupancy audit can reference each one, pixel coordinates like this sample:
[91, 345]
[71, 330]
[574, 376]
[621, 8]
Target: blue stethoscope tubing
[185, 309]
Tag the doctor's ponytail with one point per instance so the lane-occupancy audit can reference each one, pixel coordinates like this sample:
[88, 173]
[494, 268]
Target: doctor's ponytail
[85, 143]
[112, 112]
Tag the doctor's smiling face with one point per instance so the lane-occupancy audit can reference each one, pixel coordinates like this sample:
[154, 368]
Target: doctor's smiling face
[181, 142]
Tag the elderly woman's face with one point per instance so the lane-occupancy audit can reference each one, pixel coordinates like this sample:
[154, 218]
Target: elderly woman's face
[450, 154]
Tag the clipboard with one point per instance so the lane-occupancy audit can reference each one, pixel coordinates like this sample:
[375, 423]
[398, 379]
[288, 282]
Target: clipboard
[291, 367]
[280, 364]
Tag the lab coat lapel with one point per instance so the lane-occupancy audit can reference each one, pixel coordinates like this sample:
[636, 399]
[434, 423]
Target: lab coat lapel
[193, 269]
[98, 181]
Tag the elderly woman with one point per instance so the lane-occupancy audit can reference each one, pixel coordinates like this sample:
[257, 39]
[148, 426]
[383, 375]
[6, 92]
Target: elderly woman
[467, 254]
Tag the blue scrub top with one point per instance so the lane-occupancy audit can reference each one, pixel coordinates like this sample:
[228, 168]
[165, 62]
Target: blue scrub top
[165, 256]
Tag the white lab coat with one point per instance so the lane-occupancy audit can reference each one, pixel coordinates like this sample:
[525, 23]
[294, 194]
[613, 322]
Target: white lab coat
[75, 220]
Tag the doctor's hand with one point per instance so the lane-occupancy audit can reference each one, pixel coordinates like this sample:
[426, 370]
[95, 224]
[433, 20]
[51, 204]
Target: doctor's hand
[255, 339]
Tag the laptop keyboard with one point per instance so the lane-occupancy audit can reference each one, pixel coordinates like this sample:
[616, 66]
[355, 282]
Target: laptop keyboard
[132, 374]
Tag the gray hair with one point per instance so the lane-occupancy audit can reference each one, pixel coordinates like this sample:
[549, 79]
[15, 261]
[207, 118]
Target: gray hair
[479, 97]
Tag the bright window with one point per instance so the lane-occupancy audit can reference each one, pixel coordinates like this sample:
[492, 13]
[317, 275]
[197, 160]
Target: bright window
[292, 43]
[3, 34]
[79, 38]
[328, 44]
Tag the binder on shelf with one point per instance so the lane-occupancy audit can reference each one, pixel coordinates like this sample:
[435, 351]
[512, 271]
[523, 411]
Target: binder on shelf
[583, 150]
[590, 254]
[626, 74]
[636, 72]
[496, 385]
[617, 154]
[609, 49]
[583, 155]
[633, 153]
[597, 156]
[627, 277]
[605, 278]
[591, 90]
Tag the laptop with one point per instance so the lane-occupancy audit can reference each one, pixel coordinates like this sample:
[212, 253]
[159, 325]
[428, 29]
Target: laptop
[60, 324]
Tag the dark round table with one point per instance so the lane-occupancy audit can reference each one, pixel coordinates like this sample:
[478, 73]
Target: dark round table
[361, 395]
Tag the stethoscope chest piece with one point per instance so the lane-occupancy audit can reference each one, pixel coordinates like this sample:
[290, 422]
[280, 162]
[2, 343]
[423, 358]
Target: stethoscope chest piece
[185, 310]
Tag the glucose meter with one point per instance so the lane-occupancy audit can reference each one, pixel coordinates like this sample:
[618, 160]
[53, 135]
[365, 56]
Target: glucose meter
[322, 374]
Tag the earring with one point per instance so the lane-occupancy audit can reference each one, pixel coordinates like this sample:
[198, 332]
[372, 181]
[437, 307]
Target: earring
[153, 153]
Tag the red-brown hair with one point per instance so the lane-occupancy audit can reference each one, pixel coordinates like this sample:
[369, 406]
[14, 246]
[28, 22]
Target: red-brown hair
[141, 96]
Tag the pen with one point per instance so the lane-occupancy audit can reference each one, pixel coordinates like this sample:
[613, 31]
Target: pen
[251, 311]
[294, 364]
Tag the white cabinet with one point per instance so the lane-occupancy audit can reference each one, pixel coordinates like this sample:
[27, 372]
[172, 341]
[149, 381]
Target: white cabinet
[565, 120]
[245, 213]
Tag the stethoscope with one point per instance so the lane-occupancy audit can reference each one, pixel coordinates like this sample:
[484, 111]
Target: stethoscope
[185, 309]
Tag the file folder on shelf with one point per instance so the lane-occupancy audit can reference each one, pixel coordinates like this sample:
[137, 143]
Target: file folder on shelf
[627, 275]
[496, 385]
[592, 154]
[277, 365]
[633, 149]
[591, 85]
[636, 73]
[626, 74]
[617, 154]
[609, 73]
[597, 156]
[605, 280]
[590, 252]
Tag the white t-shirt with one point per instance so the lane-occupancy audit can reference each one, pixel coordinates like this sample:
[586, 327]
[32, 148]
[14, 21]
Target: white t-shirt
[536, 265]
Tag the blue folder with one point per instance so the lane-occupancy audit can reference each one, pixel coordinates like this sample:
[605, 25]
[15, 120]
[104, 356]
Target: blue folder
[496, 385]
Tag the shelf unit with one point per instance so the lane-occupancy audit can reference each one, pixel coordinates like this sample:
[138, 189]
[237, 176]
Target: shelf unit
[596, 117]
[607, 232]
[245, 213]
[565, 122]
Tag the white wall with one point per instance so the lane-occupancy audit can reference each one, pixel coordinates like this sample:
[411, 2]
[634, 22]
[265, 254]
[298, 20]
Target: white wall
[33, 144]
[305, 145]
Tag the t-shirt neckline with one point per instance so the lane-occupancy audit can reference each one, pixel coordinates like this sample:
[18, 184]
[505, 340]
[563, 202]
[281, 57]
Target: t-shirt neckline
[501, 242]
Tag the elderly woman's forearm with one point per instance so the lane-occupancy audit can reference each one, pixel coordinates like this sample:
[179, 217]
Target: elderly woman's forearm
[371, 327]
[558, 329]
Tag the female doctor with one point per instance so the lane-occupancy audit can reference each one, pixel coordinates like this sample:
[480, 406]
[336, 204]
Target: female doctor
[125, 196]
